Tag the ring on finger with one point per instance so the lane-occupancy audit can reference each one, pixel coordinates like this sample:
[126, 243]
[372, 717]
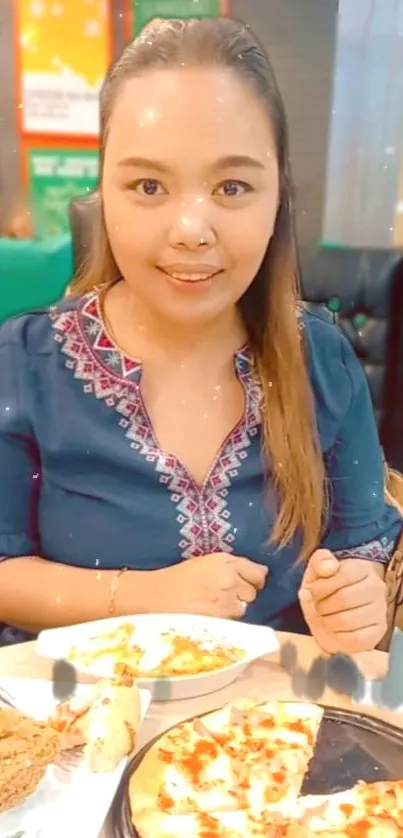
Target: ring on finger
[243, 606]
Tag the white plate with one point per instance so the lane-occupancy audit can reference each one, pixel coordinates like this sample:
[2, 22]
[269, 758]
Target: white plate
[256, 641]
[70, 800]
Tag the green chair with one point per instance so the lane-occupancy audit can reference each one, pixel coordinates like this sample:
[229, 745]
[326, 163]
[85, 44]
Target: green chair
[33, 274]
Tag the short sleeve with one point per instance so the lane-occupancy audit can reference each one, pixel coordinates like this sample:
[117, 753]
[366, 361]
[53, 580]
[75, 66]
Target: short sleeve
[19, 459]
[361, 523]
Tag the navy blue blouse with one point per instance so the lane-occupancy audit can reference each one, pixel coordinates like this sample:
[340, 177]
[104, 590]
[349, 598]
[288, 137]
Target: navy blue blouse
[84, 482]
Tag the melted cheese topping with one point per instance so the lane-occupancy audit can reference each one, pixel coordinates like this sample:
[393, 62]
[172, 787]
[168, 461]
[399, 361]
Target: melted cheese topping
[238, 771]
[167, 655]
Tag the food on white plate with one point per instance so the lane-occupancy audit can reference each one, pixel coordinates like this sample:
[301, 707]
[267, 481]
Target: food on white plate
[27, 747]
[105, 646]
[238, 773]
[167, 654]
[105, 723]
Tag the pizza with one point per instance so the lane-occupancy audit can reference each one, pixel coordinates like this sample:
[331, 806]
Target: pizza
[169, 655]
[247, 757]
[238, 773]
[267, 742]
[368, 810]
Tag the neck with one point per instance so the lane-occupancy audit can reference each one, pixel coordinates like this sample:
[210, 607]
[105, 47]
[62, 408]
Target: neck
[141, 332]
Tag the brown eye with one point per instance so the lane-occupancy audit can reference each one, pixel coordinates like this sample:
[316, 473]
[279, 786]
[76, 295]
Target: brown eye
[233, 189]
[147, 187]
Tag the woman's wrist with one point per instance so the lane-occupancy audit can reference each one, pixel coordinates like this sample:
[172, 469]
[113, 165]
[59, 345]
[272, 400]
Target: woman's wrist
[137, 592]
[379, 568]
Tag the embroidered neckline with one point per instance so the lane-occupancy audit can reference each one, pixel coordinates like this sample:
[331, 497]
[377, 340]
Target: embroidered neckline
[111, 355]
[113, 377]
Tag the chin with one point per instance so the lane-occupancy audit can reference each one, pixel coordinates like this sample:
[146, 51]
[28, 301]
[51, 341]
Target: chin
[196, 315]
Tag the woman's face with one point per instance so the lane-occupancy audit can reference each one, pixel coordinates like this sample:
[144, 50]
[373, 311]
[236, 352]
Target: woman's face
[190, 190]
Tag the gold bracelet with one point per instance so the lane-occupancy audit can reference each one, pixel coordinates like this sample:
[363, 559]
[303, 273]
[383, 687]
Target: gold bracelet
[114, 588]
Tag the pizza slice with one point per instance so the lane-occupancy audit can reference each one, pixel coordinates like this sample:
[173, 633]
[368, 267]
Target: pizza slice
[270, 745]
[251, 727]
[186, 771]
[368, 810]
[237, 824]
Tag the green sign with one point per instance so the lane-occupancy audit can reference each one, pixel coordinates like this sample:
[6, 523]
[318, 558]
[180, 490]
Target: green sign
[146, 10]
[57, 176]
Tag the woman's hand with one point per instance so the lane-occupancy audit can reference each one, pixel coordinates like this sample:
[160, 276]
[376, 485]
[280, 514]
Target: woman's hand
[344, 603]
[217, 585]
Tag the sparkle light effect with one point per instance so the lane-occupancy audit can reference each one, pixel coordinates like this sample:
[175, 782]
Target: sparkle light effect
[37, 8]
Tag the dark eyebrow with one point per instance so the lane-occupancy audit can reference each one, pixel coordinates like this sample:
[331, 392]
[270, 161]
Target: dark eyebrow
[236, 161]
[143, 163]
[232, 161]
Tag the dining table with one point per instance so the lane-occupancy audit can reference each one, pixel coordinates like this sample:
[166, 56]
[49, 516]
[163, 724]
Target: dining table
[295, 672]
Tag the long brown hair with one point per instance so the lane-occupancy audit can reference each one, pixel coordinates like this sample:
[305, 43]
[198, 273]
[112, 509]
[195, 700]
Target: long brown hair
[270, 307]
[394, 488]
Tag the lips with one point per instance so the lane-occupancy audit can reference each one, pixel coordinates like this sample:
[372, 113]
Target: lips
[202, 274]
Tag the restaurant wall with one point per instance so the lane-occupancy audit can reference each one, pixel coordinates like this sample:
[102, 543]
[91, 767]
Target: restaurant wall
[299, 36]
[300, 39]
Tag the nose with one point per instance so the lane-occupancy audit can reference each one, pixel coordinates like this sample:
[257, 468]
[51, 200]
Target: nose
[191, 229]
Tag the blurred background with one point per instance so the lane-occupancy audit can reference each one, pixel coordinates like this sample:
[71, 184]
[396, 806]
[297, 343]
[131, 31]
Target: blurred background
[340, 68]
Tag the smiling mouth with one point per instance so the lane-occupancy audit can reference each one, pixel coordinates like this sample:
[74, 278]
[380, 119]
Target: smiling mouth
[192, 277]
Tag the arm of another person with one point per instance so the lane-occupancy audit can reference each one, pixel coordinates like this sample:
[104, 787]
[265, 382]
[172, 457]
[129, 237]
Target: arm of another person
[362, 524]
[344, 601]
[36, 593]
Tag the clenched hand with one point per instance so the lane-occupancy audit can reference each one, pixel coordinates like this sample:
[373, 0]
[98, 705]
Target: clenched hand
[216, 585]
[344, 603]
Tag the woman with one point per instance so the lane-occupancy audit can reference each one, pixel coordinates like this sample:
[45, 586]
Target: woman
[135, 414]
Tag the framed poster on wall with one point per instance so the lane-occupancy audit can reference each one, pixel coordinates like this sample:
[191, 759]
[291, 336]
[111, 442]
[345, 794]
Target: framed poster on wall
[54, 176]
[141, 12]
[63, 48]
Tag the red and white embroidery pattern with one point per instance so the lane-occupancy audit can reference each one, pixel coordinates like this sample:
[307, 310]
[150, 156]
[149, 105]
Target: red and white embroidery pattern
[110, 375]
[379, 550]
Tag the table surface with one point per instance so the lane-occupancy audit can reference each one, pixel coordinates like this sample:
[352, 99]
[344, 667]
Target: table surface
[266, 677]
